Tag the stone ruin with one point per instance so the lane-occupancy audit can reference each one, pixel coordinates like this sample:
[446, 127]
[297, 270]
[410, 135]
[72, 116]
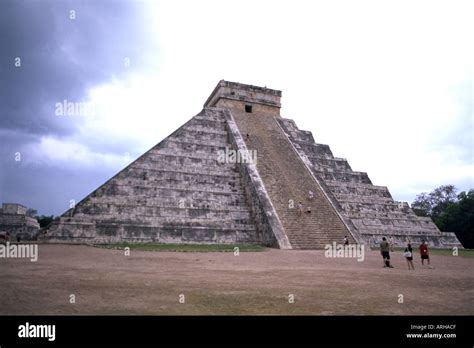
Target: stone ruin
[192, 188]
[15, 221]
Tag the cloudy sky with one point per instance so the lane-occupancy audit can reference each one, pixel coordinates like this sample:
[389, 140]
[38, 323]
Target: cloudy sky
[387, 84]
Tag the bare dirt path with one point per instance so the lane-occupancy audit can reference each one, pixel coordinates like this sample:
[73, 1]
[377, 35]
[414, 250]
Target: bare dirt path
[108, 282]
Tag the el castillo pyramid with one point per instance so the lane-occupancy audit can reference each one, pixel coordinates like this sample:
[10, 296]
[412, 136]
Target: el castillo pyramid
[235, 173]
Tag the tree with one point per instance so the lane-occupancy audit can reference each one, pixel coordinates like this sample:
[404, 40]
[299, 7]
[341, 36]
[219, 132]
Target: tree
[31, 212]
[44, 220]
[433, 203]
[441, 198]
[422, 205]
[450, 212]
[459, 218]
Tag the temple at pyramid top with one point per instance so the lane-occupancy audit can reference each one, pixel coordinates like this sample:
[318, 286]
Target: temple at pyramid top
[245, 98]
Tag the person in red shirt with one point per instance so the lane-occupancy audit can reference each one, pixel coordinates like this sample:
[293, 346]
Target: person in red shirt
[424, 253]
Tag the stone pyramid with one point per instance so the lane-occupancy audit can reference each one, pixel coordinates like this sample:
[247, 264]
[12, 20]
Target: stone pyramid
[240, 173]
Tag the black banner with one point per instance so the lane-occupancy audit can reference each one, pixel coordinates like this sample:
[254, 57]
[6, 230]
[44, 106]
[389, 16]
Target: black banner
[236, 330]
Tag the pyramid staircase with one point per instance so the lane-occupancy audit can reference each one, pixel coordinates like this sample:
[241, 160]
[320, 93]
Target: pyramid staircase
[288, 181]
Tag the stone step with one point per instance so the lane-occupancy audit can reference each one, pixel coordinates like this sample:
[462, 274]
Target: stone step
[181, 144]
[231, 202]
[176, 191]
[140, 210]
[144, 220]
[180, 174]
[173, 168]
[197, 184]
[197, 130]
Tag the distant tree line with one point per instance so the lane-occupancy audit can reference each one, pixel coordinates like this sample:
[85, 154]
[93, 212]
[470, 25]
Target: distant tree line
[44, 220]
[450, 211]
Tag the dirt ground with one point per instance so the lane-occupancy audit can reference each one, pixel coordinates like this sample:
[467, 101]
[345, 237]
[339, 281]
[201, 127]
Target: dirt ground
[106, 281]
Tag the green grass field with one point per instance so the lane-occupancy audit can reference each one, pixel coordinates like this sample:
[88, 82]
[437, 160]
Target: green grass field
[184, 247]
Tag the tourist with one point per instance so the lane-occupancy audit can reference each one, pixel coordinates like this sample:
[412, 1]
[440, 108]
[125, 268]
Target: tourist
[5, 236]
[408, 253]
[310, 195]
[308, 210]
[424, 253]
[385, 251]
[346, 240]
[300, 208]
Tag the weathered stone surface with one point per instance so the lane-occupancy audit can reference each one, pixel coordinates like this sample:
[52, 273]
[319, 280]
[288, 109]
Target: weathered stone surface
[15, 221]
[266, 217]
[369, 210]
[184, 190]
[176, 192]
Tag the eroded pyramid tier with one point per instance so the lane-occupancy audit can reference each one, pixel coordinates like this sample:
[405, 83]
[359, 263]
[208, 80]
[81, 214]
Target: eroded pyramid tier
[369, 210]
[178, 191]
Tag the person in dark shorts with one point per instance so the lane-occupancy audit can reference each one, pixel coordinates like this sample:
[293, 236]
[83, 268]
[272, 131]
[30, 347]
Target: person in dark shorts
[424, 253]
[346, 240]
[300, 209]
[385, 251]
[408, 253]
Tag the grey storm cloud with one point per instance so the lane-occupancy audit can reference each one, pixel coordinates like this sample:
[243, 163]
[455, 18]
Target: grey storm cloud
[61, 58]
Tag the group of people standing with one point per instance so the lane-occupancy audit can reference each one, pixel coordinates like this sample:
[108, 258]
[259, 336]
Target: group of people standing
[385, 246]
[408, 254]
